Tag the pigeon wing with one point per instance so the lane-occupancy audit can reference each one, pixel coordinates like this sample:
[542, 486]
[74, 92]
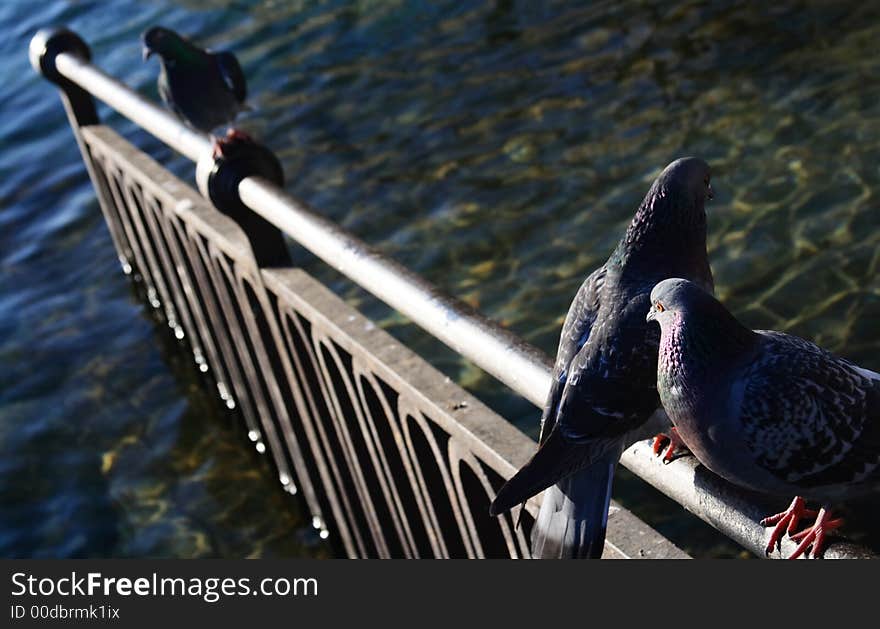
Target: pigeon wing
[809, 417]
[610, 389]
[232, 74]
[575, 332]
[612, 386]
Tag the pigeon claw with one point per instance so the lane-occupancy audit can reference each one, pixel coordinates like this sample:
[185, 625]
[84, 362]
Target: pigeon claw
[815, 535]
[236, 135]
[787, 522]
[233, 136]
[673, 444]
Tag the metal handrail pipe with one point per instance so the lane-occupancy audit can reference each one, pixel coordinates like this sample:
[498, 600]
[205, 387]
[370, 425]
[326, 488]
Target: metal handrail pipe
[498, 351]
[158, 121]
[519, 365]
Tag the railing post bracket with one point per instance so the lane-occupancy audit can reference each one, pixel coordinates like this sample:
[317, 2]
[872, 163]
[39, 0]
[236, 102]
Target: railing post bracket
[218, 178]
[47, 44]
[44, 48]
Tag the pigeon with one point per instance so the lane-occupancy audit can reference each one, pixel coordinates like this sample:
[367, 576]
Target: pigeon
[205, 89]
[766, 410]
[604, 378]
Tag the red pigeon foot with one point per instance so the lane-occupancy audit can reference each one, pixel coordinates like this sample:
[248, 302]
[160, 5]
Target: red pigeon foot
[233, 136]
[673, 444]
[815, 535]
[788, 519]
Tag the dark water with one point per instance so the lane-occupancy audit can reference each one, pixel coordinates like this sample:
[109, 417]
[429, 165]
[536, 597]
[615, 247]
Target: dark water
[498, 148]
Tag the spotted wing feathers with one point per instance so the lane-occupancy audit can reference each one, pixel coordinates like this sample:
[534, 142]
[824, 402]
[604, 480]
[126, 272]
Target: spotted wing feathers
[811, 418]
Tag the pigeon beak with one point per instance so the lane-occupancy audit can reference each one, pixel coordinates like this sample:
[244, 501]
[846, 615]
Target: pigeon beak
[147, 53]
[711, 193]
[651, 315]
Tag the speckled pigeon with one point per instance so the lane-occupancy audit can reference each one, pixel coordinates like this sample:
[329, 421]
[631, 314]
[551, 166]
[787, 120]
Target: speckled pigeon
[206, 89]
[766, 410]
[604, 379]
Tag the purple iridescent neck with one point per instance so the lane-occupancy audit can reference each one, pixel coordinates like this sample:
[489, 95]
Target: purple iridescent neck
[702, 343]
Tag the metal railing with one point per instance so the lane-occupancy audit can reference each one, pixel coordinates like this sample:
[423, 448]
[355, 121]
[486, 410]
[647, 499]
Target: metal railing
[406, 461]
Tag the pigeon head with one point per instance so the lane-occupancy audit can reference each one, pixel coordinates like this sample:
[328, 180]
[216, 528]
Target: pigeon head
[677, 198]
[692, 318]
[670, 224]
[163, 42]
[687, 178]
[675, 299]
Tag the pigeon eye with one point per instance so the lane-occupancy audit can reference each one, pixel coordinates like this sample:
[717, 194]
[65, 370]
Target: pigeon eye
[659, 307]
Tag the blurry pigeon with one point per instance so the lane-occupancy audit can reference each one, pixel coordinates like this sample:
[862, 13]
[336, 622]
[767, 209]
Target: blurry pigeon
[766, 410]
[604, 379]
[206, 89]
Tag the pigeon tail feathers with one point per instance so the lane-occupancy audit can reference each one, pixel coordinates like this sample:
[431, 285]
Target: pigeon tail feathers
[554, 460]
[574, 513]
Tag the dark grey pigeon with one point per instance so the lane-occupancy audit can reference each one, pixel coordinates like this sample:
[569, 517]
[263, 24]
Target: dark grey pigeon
[206, 89]
[604, 379]
[766, 410]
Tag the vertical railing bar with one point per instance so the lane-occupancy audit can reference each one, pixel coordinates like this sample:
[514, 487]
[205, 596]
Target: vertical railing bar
[346, 502]
[327, 467]
[209, 288]
[108, 208]
[424, 424]
[432, 523]
[138, 247]
[283, 413]
[201, 305]
[355, 465]
[377, 453]
[152, 213]
[263, 375]
[338, 418]
[209, 357]
[150, 248]
[455, 458]
[223, 281]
